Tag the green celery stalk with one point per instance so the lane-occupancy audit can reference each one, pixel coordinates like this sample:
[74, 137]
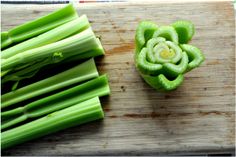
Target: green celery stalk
[38, 26]
[78, 114]
[79, 73]
[96, 87]
[29, 62]
[56, 34]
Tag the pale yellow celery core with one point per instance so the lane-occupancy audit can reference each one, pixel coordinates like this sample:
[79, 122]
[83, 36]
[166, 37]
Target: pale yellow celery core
[167, 54]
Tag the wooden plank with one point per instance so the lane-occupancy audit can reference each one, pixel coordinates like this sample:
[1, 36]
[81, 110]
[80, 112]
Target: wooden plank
[197, 117]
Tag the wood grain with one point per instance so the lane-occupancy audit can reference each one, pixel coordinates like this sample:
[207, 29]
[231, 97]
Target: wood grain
[198, 117]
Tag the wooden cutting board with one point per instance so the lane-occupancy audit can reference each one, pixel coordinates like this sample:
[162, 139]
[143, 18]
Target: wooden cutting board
[198, 117]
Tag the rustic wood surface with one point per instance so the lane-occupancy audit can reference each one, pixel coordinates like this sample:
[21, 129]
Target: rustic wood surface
[198, 117]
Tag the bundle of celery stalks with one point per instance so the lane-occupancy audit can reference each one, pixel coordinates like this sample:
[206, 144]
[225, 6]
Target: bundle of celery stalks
[61, 100]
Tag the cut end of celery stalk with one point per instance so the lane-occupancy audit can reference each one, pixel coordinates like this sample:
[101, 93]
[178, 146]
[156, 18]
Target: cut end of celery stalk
[99, 51]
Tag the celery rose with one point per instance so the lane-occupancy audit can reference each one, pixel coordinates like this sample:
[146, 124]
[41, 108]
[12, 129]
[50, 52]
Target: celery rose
[162, 54]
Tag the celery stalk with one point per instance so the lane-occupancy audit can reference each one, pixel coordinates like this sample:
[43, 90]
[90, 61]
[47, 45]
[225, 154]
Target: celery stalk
[80, 113]
[38, 26]
[73, 45]
[96, 87]
[80, 73]
[56, 34]
[32, 60]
